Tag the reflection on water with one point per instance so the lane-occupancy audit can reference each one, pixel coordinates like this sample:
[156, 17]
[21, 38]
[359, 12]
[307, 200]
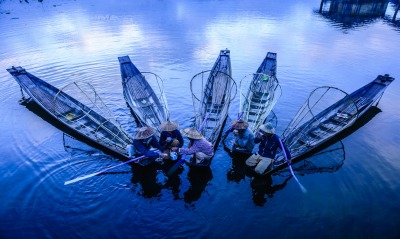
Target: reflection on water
[151, 180]
[198, 179]
[238, 170]
[354, 13]
[263, 188]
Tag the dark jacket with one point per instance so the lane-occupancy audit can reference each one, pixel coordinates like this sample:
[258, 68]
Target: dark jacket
[175, 134]
[143, 146]
[269, 145]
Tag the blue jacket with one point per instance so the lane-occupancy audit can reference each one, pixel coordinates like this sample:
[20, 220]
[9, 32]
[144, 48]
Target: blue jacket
[269, 145]
[143, 146]
[175, 134]
[245, 143]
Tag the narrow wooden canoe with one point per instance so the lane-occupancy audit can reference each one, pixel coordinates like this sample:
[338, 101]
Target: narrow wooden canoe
[216, 97]
[262, 93]
[148, 107]
[304, 137]
[80, 118]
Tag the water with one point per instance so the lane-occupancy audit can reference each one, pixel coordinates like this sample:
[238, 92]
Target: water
[353, 188]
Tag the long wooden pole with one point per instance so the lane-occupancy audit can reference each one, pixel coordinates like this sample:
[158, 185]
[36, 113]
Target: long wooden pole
[105, 170]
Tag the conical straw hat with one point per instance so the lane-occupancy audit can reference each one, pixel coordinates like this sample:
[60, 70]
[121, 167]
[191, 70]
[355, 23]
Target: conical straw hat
[268, 128]
[239, 124]
[144, 133]
[169, 126]
[191, 133]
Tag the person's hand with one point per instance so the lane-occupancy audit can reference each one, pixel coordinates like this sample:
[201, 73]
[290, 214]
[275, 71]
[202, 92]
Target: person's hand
[162, 155]
[174, 149]
[235, 132]
[169, 139]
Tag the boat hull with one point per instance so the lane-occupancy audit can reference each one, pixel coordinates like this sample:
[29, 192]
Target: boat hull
[262, 94]
[330, 123]
[146, 105]
[214, 101]
[71, 113]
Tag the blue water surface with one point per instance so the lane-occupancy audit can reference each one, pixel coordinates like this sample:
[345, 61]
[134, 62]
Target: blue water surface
[353, 188]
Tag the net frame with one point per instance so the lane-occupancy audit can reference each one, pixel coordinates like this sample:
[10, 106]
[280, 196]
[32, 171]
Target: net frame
[221, 97]
[95, 121]
[262, 87]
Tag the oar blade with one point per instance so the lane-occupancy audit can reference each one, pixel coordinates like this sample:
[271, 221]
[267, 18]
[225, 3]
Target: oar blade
[81, 178]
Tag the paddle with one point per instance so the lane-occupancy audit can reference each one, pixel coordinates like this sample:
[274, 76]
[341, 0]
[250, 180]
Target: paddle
[303, 189]
[182, 160]
[105, 170]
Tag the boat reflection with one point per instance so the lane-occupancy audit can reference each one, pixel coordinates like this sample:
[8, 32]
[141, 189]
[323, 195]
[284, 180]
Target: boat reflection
[352, 13]
[263, 188]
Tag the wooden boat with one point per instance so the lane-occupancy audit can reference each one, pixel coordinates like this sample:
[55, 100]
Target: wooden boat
[83, 120]
[262, 94]
[217, 92]
[148, 107]
[216, 97]
[311, 128]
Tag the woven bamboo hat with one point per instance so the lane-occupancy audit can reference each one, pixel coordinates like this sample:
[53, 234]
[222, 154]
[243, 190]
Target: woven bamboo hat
[144, 133]
[239, 124]
[267, 128]
[169, 126]
[191, 133]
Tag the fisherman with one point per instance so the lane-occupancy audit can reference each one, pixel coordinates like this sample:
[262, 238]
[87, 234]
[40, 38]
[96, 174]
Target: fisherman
[269, 143]
[244, 138]
[170, 137]
[144, 140]
[201, 149]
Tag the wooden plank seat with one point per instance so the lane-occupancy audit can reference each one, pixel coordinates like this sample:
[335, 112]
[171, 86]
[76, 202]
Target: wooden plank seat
[143, 102]
[259, 101]
[305, 141]
[319, 133]
[328, 127]
[315, 135]
[339, 120]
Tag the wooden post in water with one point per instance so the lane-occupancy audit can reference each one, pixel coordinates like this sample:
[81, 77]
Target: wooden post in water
[395, 13]
[320, 6]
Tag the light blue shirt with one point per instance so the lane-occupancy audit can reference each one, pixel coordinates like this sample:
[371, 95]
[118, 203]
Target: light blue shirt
[244, 143]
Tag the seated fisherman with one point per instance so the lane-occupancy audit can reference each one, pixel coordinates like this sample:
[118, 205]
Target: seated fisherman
[144, 140]
[201, 149]
[244, 138]
[269, 143]
[170, 136]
